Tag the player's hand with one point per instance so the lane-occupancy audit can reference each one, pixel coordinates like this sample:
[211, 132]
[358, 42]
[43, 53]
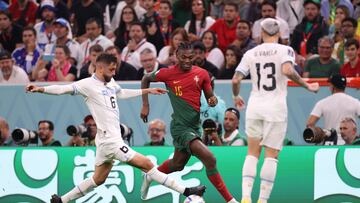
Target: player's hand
[144, 113]
[212, 101]
[313, 87]
[157, 91]
[239, 102]
[33, 88]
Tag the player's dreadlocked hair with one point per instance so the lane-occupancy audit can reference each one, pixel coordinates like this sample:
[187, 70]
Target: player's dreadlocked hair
[184, 46]
[106, 58]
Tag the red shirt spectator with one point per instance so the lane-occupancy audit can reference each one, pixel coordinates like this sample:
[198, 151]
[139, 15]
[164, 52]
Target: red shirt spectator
[348, 71]
[23, 19]
[225, 28]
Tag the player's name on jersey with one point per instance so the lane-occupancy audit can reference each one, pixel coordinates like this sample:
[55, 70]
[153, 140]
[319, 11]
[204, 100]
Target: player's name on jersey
[265, 53]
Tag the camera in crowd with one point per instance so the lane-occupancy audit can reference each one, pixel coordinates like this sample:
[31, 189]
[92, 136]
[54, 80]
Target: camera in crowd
[318, 135]
[209, 126]
[75, 130]
[24, 137]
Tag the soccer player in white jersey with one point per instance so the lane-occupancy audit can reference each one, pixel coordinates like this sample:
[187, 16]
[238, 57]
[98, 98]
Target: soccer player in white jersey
[270, 65]
[101, 92]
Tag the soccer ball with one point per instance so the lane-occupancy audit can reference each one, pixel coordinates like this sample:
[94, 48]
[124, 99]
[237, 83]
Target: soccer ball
[194, 199]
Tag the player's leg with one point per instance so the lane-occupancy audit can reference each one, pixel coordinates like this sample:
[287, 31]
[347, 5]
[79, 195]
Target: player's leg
[177, 163]
[103, 167]
[99, 177]
[274, 135]
[152, 173]
[203, 153]
[253, 130]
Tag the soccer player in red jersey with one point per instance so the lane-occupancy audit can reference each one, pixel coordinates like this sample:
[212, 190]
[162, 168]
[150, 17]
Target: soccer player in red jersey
[185, 83]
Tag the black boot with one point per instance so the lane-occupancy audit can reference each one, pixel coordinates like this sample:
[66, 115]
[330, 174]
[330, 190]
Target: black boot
[198, 190]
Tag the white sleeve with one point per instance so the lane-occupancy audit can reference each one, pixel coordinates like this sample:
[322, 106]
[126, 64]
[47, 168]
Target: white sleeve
[59, 89]
[289, 56]
[216, 57]
[317, 111]
[284, 29]
[243, 66]
[238, 142]
[163, 54]
[256, 30]
[128, 93]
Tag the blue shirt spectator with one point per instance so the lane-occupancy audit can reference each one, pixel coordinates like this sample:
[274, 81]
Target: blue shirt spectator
[25, 60]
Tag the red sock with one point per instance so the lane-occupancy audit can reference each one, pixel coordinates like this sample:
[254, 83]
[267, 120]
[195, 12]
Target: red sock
[219, 184]
[164, 167]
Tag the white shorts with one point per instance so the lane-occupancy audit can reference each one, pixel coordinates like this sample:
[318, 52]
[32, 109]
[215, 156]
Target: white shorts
[108, 151]
[272, 134]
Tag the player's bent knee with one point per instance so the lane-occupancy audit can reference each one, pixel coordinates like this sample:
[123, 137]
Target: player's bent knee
[178, 167]
[99, 180]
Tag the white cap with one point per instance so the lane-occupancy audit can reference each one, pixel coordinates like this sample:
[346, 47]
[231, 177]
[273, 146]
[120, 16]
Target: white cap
[270, 25]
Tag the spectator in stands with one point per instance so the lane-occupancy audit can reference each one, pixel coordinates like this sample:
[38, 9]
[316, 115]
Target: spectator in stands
[10, 33]
[243, 39]
[59, 69]
[27, 56]
[312, 27]
[149, 63]
[213, 53]
[292, 11]
[322, 66]
[61, 10]
[46, 134]
[328, 8]
[231, 136]
[156, 132]
[93, 32]
[347, 31]
[348, 131]
[23, 12]
[10, 73]
[44, 29]
[91, 130]
[137, 43]
[123, 71]
[232, 59]
[341, 13]
[121, 33]
[81, 12]
[5, 138]
[199, 22]
[225, 28]
[335, 107]
[89, 68]
[254, 12]
[3, 6]
[351, 68]
[135, 4]
[268, 10]
[151, 14]
[244, 8]
[160, 35]
[200, 58]
[167, 53]
[216, 9]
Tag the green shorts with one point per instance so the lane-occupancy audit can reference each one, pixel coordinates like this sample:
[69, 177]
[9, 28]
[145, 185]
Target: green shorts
[182, 135]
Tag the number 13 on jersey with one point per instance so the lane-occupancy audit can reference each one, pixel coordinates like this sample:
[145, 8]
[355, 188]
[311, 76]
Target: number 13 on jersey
[266, 76]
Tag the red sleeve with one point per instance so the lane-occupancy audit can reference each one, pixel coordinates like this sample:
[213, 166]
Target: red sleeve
[159, 75]
[207, 83]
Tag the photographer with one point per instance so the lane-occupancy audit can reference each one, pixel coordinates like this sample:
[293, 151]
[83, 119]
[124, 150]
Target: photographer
[5, 139]
[348, 130]
[46, 133]
[231, 136]
[91, 130]
[83, 134]
[335, 107]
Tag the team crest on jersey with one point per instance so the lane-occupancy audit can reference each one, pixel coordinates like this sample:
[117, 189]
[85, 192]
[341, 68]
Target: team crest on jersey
[290, 53]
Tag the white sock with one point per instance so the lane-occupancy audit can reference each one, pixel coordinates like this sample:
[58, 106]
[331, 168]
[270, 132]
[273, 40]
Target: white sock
[248, 176]
[80, 190]
[267, 175]
[164, 179]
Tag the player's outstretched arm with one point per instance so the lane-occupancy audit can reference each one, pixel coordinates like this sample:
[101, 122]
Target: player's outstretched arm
[128, 93]
[145, 84]
[236, 81]
[289, 71]
[52, 89]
